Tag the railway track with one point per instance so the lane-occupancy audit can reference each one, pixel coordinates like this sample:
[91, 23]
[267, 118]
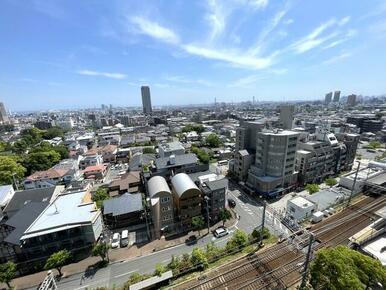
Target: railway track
[280, 266]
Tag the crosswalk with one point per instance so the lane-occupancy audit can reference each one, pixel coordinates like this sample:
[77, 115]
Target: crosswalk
[246, 208]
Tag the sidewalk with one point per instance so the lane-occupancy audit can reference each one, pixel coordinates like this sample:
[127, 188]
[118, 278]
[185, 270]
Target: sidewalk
[115, 255]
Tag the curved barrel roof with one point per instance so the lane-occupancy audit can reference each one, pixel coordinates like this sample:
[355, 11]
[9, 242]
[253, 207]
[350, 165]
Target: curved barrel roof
[157, 184]
[182, 182]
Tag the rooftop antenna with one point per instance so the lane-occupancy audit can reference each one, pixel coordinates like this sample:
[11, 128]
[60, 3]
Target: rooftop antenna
[56, 209]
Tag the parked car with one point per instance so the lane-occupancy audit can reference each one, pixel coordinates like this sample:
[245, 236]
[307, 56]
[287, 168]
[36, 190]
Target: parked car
[231, 202]
[116, 240]
[220, 232]
[191, 240]
[125, 238]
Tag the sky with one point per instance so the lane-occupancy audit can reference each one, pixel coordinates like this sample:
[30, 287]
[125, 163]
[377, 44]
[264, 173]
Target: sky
[73, 54]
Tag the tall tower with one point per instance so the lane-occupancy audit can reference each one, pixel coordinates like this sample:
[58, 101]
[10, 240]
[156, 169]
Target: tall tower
[336, 96]
[3, 114]
[327, 98]
[146, 100]
[287, 116]
[351, 100]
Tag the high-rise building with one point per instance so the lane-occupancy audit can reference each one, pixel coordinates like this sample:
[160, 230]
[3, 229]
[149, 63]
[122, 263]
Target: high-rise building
[336, 96]
[146, 100]
[287, 116]
[352, 100]
[274, 169]
[328, 98]
[3, 114]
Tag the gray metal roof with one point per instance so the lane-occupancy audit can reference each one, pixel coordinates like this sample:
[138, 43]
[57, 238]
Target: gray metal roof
[4, 190]
[183, 159]
[217, 184]
[126, 203]
[23, 219]
[157, 184]
[182, 182]
[21, 198]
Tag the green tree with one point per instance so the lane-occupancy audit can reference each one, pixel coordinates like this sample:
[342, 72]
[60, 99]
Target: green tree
[198, 258]
[238, 241]
[225, 215]
[312, 188]
[58, 260]
[159, 269]
[201, 154]
[212, 251]
[52, 133]
[62, 150]
[198, 128]
[198, 223]
[374, 144]
[174, 263]
[31, 136]
[38, 161]
[148, 150]
[101, 250]
[331, 181]
[99, 196]
[257, 235]
[213, 140]
[19, 146]
[343, 268]
[9, 167]
[7, 273]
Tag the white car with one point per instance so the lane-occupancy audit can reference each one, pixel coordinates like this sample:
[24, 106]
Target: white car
[220, 232]
[116, 241]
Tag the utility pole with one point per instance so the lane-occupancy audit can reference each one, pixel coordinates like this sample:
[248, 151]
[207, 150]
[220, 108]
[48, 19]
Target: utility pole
[14, 181]
[263, 222]
[307, 262]
[353, 185]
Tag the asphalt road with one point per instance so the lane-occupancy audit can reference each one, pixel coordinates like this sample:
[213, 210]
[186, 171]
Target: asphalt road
[250, 213]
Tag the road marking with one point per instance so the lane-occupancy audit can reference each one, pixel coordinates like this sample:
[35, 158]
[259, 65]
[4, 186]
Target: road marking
[124, 274]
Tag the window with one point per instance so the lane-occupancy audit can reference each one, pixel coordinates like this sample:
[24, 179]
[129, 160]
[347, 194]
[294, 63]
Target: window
[165, 199]
[165, 208]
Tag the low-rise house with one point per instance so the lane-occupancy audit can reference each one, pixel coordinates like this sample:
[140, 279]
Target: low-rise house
[47, 178]
[95, 171]
[90, 160]
[129, 182]
[71, 221]
[108, 152]
[125, 210]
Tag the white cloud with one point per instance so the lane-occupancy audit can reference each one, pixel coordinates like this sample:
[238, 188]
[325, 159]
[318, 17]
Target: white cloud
[259, 4]
[337, 58]
[237, 59]
[313, 40]
[351, 33]
[110, 75]
[267, 30]
[216, 18]
[344, 21]
[155, 30]
[246, 82]
[185, 80]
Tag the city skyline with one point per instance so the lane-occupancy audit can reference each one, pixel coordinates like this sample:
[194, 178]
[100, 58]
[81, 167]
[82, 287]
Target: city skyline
[66, 54]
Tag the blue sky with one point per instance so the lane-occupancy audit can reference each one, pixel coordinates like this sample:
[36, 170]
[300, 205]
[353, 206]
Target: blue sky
[72, 54]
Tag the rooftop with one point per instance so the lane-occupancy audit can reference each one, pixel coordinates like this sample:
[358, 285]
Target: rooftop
[126, 203]
[66, 211]
[189, 158]
[301, 202]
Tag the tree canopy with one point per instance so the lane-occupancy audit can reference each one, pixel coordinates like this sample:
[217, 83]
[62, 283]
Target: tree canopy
[198, 258]
[312, 188]
[331, 181]
[198, 223]
[201, 154]
[193, 127]
[225, 215]
[101, 250]
[238, 240]
[213, 140]
[10, 166]
[341, 268]
[7, 273]
[42, 160]
[58, 260]
[100, 195]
